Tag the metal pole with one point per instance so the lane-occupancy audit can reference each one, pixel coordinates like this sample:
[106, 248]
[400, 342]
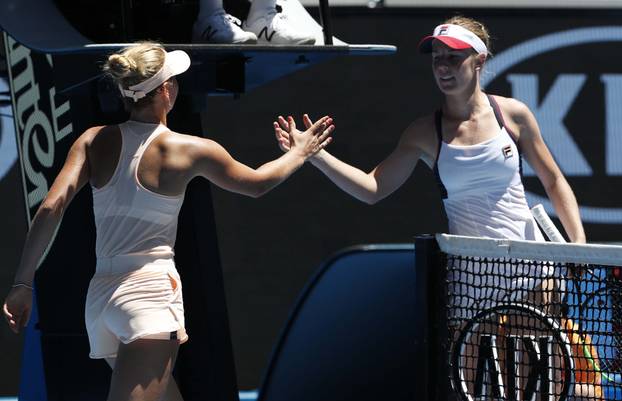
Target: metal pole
[127, 23]
[325, 21]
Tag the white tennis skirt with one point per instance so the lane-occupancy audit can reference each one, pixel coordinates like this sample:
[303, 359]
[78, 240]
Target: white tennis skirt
[133, 297]
[476, 285]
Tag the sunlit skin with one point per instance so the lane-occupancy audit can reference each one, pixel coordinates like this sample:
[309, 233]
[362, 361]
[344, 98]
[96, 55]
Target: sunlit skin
[142, 368]
[174, 91]
[455, 70]
[468, 119]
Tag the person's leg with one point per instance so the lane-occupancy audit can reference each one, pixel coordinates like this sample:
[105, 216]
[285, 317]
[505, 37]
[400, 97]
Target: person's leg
[237, 8]
[172, 391]
[274, 27]
[261, 6]
[142, 371]
[214, 25]
[300, 18]
[110, 362]
[207, 8]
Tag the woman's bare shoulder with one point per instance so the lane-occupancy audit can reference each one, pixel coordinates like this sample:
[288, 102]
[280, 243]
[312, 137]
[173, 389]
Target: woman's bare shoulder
[421, 133]
[92, 132]
[513, 108]
[96, 135]
[174, 138]
[188, 145]
[422, 125]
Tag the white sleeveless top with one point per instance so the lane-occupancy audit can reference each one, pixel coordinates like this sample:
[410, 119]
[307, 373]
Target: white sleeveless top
[482, 190]
[129, 218]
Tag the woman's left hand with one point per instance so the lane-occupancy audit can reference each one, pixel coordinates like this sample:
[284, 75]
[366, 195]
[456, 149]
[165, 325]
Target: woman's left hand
[282, 129]
[17, 308]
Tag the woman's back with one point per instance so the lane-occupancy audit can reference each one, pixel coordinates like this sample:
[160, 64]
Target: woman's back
[128, 168]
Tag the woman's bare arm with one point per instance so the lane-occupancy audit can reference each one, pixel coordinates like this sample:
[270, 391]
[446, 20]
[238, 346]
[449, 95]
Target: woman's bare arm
[213, 162]
[380, 182]
[72, 177]
[540, 159]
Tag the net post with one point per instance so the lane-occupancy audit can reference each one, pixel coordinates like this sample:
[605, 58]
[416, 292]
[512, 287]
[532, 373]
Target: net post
[431, 375]
[325, 21]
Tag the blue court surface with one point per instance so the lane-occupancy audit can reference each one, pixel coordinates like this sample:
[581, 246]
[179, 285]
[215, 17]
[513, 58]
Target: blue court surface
[248, 395]
[244, 396]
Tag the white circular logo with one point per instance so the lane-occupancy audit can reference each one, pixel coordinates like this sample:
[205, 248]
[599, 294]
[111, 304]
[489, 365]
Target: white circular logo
[551, 111]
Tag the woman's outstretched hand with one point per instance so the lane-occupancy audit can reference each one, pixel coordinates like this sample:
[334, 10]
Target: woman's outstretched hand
[17, 308]
[314, 139]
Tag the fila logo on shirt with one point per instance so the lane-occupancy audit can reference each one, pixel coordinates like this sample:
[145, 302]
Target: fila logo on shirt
[507, 151]
[577, 106]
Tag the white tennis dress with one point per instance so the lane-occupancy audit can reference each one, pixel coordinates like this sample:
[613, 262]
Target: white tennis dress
[136, 291]
[484, 196]
[482, 189]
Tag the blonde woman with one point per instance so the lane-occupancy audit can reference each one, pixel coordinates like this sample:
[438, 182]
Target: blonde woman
[138, 172]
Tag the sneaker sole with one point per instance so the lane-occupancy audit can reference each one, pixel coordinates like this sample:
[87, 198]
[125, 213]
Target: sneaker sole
[246, 42]
[249, 41]
[309, 41]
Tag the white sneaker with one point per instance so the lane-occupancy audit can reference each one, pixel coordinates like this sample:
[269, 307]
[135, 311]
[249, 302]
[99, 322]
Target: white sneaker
[221, 28]
[299, 16]
[275, 28]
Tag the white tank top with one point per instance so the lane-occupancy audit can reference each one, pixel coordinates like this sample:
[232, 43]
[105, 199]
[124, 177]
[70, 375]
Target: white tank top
[129, 218]
[481, 185]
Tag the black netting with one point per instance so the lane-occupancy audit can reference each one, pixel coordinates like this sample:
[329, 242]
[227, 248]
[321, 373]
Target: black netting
[533, 330]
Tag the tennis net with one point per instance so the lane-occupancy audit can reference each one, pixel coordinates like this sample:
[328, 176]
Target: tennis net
[522, 320]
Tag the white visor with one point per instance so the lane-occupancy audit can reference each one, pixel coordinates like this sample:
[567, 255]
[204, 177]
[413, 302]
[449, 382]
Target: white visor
[455, 37]
[175, 63]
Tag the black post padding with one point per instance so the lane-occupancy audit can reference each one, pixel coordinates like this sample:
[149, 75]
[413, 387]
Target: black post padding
[205, 368]
[431, 377]
[62, 282]
[325, 21]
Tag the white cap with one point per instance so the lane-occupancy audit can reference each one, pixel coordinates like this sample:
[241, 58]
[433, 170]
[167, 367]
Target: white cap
[455, 37]
[175, 63]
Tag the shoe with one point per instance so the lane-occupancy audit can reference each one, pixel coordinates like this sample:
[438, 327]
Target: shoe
[221, 28]
[276, 29]
[301, 18]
